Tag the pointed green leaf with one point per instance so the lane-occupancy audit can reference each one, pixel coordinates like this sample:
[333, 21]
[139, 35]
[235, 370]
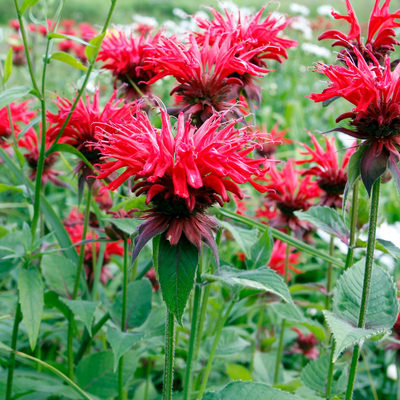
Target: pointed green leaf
[84, 310]
[138, 304]
[315, 375]
[60, 274]
[70, 37]
[127, 225]
[121, 342]
[68, 59]
[326, 219]
[95, 375]
[262, 279]
[21, 158]
[238, 372]
[176, 271]
[383, 306]
[353, 172]
[26, 4]
[91, 51]
[261, 251]
[66, 148]
[389, 247]
[248, 391]
[30, 288]
[245, 238]
[10, 95]
[52, 299]
[8, 65]
[29, 126]
[4, 187]
[291, 314]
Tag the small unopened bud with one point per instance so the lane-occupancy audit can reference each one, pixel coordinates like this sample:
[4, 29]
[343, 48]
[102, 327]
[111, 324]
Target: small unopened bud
[391, 372]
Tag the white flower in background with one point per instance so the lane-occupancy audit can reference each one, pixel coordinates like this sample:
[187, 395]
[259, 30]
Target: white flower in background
[389, 232]
[302, 24]
[202, 15]
[180, 13]
[391, 372]
[325, 10]
[319, 51]
[299, 9]
[144, 20]
[233, 8]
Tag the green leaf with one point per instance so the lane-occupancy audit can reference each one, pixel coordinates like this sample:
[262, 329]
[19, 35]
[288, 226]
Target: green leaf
[238, 372]
[52, 299]
[176, 271]
[70, 37]
[84, 310]
[8, 65]
[326, 219]
[262, 279]
[245, 238]
[68, 59]
[10, 95]
[60, 274]
[390, 248]
[4, 188]
[27, 127]
[353, 172]
[383, 306]
[261, 251]
[291, 314]
[121, 342]
[315, 375]
[249, 391]
[26, 4]
[127, 225]
[138, 304]
[91, 51]
[30, 288]
[21, 158]
[95, 375]
[67, 148]
[382, 311]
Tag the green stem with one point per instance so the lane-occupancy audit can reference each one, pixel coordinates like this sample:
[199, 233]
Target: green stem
[203, 312]
[283, 237]
[330, 371]
[371, 379]
[11, 363]
[70, 345]
[193, 332]
[123, 321]
[40, 166]
[87, 339]
[148, 379]
[373, 219]
[330, 272]
[87, 77]
[169, 356]
[213, 350]
[281, 337]
[353, 226]
[82, 249]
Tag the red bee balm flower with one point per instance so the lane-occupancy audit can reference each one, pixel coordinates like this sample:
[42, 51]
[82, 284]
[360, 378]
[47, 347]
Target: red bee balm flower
[289, 192]
[330, 178]
[305, 344]
[375, 93]
[275, 139]
[265, 37]
[30, 143]
[278, 258]
[181, 175]
[204, 74]
[123, 55]
[80, 130]
[381, 24]
[19, 114]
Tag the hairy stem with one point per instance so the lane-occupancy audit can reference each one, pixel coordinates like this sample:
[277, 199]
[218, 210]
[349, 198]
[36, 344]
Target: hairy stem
[193, 332]
[169, 356]
[353, 226]
[220, 326]
[123, 321]
[373, 218]
[329, 278]
[11, 362]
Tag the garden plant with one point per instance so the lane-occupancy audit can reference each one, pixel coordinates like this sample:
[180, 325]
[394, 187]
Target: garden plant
[200, 208]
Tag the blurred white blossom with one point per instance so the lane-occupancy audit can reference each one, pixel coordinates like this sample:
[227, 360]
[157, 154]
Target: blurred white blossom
[180, 13]
[302, 24]
[299, 9]
[325, 10]
[144, 20]
[391, 372]
[319, 51]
